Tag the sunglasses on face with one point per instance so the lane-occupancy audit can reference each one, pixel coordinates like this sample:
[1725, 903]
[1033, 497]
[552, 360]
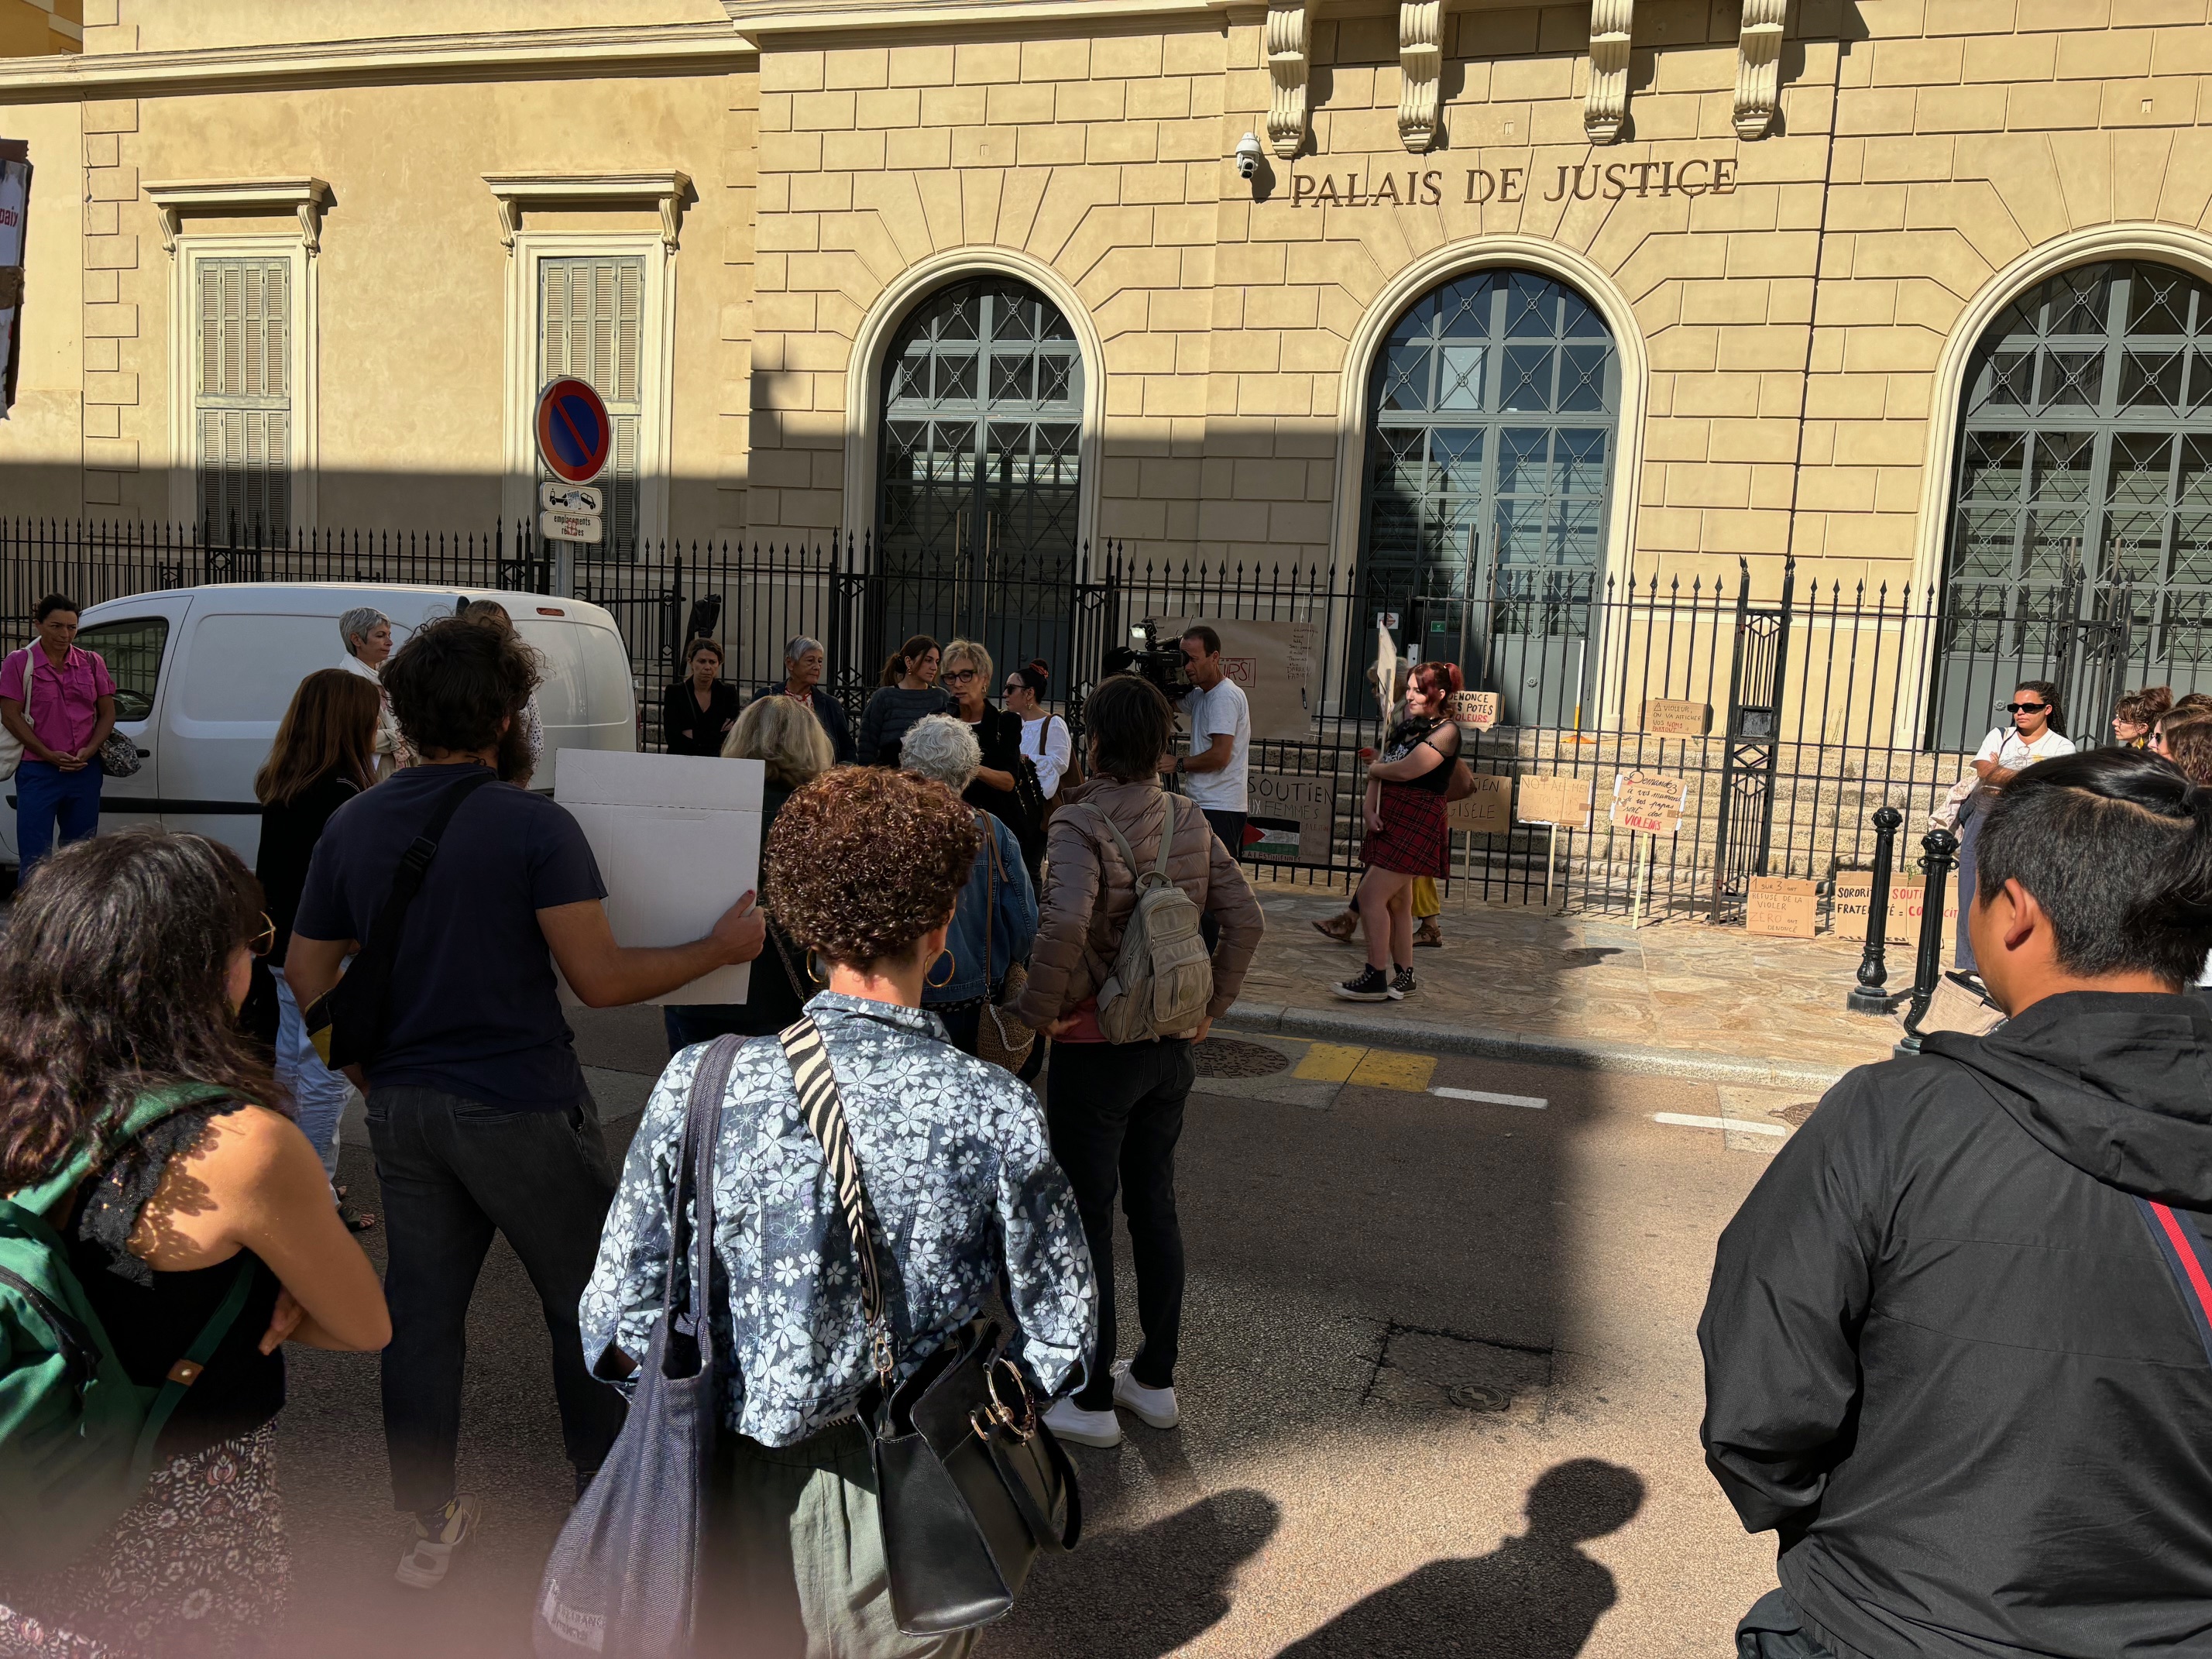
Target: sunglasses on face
[263, 942]
[2026, 707]
[1015, 685]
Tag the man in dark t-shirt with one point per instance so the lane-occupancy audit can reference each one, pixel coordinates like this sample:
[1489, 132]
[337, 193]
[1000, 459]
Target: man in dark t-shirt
[477, 1110]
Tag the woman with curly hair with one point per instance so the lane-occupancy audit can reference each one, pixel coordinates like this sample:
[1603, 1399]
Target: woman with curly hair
[863, 867]
[1408, 832]
[120, 973]
[2137, 712]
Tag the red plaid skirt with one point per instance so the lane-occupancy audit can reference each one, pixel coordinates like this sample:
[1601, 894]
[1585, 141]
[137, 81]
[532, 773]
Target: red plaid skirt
[1415, 839]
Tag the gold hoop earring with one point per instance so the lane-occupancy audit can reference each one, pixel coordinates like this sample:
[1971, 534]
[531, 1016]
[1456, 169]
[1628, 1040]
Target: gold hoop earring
[952, 968]
[814, 971]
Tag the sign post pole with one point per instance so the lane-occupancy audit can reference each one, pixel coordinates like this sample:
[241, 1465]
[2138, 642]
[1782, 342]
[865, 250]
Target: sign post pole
[1636, 879]
[1551, 862]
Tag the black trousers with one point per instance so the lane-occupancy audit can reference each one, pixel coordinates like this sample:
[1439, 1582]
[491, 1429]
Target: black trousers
[1116, 1112]
[454, 1171]
[1774, 1629]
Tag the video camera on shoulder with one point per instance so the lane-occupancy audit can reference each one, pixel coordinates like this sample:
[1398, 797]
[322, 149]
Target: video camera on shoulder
[1150, 660]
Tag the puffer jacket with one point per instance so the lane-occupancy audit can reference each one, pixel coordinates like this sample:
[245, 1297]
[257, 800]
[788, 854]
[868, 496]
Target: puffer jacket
[1090, 894]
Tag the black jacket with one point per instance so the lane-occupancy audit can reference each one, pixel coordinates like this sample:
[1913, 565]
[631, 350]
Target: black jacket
[686, 731]
[289, 835]
[1947, 1362]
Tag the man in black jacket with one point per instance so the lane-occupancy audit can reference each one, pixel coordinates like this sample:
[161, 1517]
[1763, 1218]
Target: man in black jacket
[1957, 1348]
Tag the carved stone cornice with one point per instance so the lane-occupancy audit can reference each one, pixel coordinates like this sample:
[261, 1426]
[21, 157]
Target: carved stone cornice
[1290, 27]
[1605, 110]
[240, 197]
[1758, 67]
[1420, 63]
[516, 191]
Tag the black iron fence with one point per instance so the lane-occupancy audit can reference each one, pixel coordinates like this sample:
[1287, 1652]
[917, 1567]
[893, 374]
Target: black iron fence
[1788, 715]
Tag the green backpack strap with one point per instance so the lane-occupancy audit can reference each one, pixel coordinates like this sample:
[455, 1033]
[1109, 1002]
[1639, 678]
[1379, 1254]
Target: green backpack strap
[145, 1112]
[187, 1371]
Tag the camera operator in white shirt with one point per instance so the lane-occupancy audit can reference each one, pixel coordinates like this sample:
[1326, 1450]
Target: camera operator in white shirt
[1214, 771]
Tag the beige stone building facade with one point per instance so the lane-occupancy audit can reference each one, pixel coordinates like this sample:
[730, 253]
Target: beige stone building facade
[1912, 289]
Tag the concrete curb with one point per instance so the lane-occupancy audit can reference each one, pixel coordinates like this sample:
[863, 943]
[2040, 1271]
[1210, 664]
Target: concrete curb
[1376, 1031]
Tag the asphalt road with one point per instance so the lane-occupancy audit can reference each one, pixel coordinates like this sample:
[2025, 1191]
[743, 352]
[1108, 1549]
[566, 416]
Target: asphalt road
[1440, 1386]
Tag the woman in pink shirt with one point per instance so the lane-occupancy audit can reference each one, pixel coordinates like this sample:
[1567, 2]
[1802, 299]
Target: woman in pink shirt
[59, 702]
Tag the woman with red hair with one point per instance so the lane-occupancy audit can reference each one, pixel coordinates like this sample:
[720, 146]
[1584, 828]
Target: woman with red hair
[1408, 835]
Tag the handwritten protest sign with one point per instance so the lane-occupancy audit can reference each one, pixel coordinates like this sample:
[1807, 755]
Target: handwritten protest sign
[1476, 708]
[1562, 801]
[1652, 805]
[1669, 717]
[1780, 907]
[1488, 810]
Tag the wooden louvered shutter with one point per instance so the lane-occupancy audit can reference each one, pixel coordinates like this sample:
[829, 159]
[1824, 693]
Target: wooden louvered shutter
[242, 398]
[592, 324]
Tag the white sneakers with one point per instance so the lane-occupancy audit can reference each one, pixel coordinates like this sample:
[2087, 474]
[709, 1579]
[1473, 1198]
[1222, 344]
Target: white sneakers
[423, 1566]
[1154, 1408]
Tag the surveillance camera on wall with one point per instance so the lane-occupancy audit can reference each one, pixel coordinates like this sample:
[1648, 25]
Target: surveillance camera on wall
[1248, 156]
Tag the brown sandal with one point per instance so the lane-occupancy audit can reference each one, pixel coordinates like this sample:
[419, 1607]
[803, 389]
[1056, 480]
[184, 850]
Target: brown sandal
[1341, 927]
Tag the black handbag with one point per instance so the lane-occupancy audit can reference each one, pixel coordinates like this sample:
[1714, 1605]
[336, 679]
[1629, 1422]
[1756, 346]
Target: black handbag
[970, 1484]
[627, 1575]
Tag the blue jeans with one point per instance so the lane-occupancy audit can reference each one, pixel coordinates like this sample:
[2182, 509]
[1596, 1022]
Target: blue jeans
[44, 792]
[319, 1094]
[452, 1171]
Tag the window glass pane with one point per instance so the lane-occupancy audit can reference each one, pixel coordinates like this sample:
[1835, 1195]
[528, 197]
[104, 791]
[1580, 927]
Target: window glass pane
[132, 651]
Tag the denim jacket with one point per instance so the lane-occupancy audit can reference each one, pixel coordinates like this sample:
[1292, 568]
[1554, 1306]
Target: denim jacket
[961, 1178]
[959, 975]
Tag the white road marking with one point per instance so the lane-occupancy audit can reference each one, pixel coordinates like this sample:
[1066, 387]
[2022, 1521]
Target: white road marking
[1488, 1099]
[1684, 1121]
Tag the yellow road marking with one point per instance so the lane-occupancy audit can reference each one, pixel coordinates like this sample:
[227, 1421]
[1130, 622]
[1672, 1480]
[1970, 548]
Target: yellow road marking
[1325, 1062]
[1382, 1069]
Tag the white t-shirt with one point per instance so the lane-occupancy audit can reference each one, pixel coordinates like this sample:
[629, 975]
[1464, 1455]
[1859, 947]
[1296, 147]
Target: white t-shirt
[1222, 709]
[2005, 746]
[1045, 741]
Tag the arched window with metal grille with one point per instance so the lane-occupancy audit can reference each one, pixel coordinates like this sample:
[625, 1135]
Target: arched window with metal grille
[2081, 537]
[1491, 412]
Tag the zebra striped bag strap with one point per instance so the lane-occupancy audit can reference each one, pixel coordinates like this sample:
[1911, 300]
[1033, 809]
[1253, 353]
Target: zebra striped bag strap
[824, 1112]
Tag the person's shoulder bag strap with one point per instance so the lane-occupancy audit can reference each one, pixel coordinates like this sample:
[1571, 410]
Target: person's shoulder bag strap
[824, 1111]
[2181, 1243]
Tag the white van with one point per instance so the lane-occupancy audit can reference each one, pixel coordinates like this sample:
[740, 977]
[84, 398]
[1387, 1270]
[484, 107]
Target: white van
[203, 675]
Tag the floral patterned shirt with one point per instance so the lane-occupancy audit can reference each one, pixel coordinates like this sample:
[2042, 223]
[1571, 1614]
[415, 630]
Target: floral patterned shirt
[960, 1178]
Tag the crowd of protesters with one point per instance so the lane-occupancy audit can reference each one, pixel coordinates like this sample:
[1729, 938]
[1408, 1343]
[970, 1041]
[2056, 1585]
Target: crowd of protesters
[1958, 1340]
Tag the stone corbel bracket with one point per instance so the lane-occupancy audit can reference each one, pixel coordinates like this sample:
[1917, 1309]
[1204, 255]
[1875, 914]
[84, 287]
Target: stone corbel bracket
[1758, 67]
[239, 199]
[1420, 62]
[1605, 109]
[515, 192]
[1289, 28]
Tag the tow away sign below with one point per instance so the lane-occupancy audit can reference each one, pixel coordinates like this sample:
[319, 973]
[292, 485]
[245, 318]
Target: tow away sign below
[571, 498]
[571, 527]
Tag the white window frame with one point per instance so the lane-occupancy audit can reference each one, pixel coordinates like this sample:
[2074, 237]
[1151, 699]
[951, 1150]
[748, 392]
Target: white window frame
[190, 250]
[656, 365]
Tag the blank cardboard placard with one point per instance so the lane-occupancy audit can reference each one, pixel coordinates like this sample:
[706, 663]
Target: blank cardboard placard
[1294, 816]
[678, 838]
[1670, 717]
[1563, 801]
[1650, 804]
[1780, 907]
[1488, 810]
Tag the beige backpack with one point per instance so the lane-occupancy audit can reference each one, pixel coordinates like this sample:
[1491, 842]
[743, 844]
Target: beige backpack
[1162, 977]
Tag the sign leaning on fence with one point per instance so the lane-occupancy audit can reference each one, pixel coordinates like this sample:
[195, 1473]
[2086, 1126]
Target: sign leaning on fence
[1647, 805]
[1488, 810]
[1293, 818]
[1855, 893]
[1671, 717]
[1780, 907]
[1277, 665]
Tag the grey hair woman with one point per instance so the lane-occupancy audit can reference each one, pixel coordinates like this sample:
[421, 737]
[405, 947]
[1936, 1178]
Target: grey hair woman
[862, 867]
[996, 918]
[804, 664]
[366, 632]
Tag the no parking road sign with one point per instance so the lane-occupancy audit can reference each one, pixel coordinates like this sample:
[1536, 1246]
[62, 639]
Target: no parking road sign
[574, 432]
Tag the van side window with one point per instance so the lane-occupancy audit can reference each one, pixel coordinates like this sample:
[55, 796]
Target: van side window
[132, 651]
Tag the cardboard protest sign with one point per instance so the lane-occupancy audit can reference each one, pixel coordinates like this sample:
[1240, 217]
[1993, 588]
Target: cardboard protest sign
[1907, 904]
[1293, 816]
[1855, 893]
[1277, 663]
[677, 839]
[1669, 717]
[1780, 907]
[1488, 810]
[1476, 708]
[1563, 801]
[1648, 804]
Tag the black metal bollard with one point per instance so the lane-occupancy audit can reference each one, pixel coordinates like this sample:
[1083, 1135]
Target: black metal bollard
[1868, 997]
[1939, 848]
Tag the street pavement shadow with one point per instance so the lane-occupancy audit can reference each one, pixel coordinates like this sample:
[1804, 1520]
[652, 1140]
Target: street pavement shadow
[1536, 1596]
[1144, 1593]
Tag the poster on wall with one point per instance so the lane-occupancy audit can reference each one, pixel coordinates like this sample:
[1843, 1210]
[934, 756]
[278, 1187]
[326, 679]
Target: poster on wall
[1277, 664]
[1291, 818]
[15, 227]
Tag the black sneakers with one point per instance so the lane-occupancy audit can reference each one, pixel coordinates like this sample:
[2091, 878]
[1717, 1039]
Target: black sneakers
[1402, 983]
[1371, 985]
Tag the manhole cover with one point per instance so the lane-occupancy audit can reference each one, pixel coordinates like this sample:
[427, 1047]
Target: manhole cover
[1472, 1397]
[1796, 1115]
[1227, 1057]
